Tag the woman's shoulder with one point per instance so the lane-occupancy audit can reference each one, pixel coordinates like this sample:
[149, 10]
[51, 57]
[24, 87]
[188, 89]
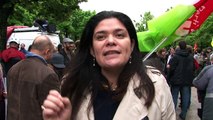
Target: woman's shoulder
[158, 80]
[155, 74]
[163, 104]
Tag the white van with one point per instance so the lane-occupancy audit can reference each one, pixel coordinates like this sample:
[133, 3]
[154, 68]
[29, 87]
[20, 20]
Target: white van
[27, 35]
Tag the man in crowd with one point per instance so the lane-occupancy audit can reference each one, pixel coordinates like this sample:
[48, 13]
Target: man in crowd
[12, 55]
[57, 64]
[68, 50]
[180, 76]
[30, 80]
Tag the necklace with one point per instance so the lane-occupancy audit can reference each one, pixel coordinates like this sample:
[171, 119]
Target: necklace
[114, 88]
[110, 86]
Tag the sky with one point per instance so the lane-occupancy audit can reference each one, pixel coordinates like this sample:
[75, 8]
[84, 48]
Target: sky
[134, 8]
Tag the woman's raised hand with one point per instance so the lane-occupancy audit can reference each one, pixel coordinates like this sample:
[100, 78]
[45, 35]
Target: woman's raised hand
[56, 107]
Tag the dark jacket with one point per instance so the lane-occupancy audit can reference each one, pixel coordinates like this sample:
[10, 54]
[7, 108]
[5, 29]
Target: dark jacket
[182, 68]
[66, 58]
[29, 82]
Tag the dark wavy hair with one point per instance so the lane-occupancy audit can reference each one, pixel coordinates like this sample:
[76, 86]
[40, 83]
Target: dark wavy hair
[83, 78]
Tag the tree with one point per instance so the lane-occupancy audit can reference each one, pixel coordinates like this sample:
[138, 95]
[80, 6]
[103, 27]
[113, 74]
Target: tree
[78, 21]
[22, 16]
[142, 25]
[24, 12]
[6, 8]
[70, 26]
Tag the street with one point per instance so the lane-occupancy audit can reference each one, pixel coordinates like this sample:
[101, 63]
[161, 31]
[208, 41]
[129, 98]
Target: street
[192, 111]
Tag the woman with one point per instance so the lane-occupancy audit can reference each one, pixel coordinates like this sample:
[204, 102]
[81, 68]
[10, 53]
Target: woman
[107, 79]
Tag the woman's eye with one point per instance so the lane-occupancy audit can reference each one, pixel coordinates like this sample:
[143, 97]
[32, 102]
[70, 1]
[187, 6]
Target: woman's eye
[100, 37]
[120, 35]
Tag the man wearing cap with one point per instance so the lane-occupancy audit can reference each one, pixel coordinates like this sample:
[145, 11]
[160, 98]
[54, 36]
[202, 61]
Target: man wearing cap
[57, 64]
[68, 50]
[12, 55]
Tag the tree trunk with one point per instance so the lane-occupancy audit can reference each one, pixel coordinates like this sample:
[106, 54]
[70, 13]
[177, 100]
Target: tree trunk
[5, 13]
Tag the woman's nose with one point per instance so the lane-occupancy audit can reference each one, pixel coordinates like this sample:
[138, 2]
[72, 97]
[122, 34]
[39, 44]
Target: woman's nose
[111, 40]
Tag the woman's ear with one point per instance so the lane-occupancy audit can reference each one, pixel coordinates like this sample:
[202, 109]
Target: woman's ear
[92, 52]
[132, 45]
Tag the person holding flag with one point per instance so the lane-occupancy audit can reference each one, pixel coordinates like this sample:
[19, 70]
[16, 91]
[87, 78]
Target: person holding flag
[173, 24]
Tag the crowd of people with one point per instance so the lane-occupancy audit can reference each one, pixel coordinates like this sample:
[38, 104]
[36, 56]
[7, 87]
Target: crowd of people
[102, 76]
[182, 66]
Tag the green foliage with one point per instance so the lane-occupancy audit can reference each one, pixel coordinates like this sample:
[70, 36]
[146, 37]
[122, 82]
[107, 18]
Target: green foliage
[21, 16]
[79, 19]
[142, 25]
[65, 28]
[55, 11]
[65, 14]
[24, 12]
[74, 26]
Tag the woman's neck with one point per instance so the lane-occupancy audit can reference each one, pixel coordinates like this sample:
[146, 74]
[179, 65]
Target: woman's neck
[112, 77]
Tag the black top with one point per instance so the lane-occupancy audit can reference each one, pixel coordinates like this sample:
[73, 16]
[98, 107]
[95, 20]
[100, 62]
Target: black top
[104, 105]
[182, 68]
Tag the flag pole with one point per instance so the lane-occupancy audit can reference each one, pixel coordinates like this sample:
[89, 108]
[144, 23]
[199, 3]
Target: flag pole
[155, 48]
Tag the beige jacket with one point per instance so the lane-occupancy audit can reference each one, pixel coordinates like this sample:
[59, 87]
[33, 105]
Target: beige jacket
[132, 108]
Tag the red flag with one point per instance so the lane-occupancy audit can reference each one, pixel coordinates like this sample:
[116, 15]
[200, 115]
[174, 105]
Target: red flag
[201, 15]
[203, 10]
[199, 3]
[195, 47]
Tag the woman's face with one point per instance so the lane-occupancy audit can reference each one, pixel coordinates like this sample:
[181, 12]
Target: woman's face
[111, 45]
